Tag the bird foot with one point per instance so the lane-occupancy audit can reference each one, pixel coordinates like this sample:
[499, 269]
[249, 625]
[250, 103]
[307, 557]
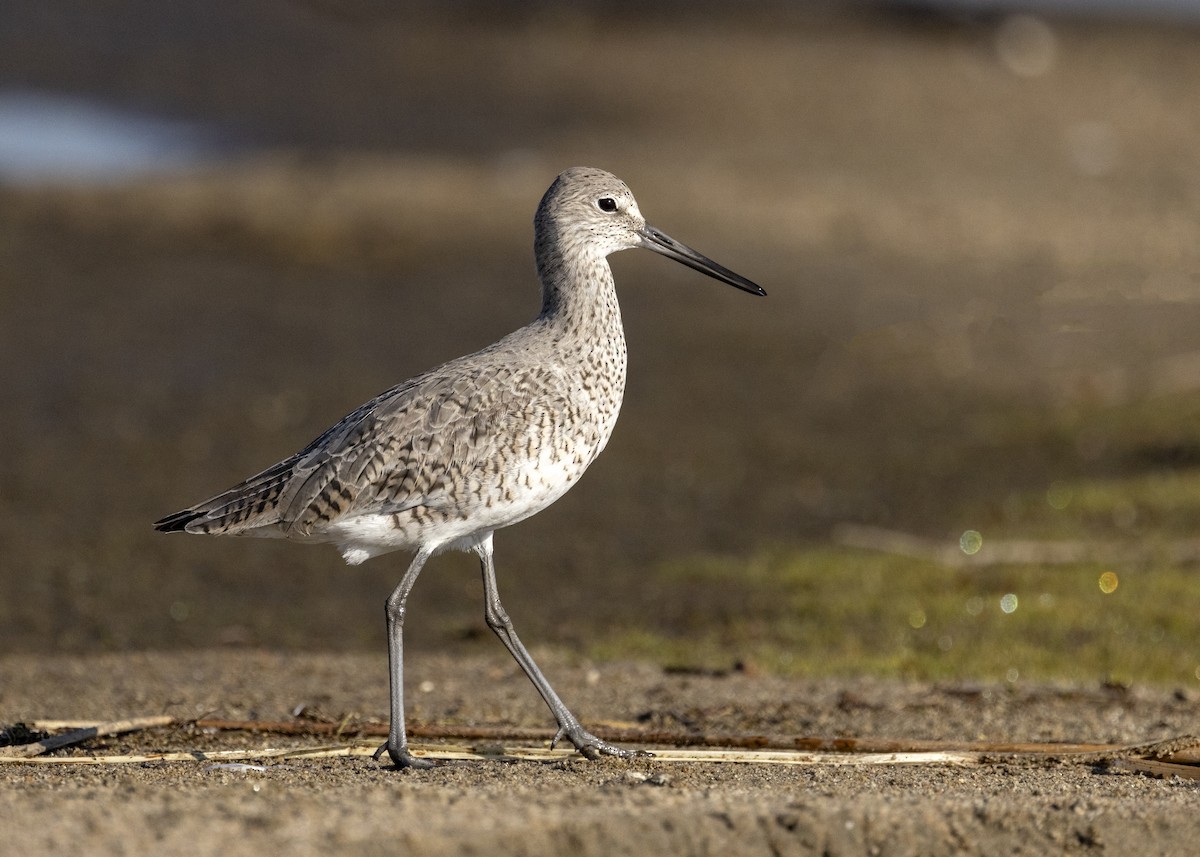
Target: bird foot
[592, 747]
[402, 758]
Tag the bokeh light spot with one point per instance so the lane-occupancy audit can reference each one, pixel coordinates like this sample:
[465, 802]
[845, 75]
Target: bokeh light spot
[1008, 603]
[917, 618]
[1026, 45]
[1108, 582]
[970, 542]
[1012, 674]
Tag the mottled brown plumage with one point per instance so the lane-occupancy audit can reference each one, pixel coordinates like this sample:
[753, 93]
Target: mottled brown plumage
[479, 443]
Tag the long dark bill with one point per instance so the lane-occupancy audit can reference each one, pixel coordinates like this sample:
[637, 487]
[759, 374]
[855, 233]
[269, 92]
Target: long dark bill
[662, 243]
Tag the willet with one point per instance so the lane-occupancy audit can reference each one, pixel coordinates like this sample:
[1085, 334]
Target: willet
[445, 459]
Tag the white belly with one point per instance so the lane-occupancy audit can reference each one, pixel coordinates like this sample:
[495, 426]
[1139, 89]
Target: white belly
[515, 496]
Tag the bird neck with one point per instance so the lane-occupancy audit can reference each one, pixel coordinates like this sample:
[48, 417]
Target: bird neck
[581, 323]
[578, 293]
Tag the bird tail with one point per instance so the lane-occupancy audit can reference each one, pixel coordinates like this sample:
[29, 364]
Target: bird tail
[251, 505]
[177, 523]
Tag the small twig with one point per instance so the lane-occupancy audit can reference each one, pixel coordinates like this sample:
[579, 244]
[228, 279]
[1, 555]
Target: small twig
[1181, 751]
[292, 727]
[1156, 769]
[453, 752]
[498, 734]
[77, 736]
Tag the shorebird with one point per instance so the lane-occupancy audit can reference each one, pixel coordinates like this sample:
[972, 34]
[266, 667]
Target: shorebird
[442, 461]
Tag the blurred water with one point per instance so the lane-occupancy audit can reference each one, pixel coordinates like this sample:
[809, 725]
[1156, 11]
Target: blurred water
[51, 137]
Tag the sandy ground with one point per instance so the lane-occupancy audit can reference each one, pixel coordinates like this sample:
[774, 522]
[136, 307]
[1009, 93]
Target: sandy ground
[355, 805]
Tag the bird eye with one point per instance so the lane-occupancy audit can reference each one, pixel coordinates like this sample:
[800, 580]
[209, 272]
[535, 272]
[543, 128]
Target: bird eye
[607, 203]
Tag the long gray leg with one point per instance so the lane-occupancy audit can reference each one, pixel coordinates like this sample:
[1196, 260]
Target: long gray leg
[397, 742]
[497, 619]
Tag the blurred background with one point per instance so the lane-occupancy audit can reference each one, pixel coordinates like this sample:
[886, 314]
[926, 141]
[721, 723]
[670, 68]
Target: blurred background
[961, 437]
